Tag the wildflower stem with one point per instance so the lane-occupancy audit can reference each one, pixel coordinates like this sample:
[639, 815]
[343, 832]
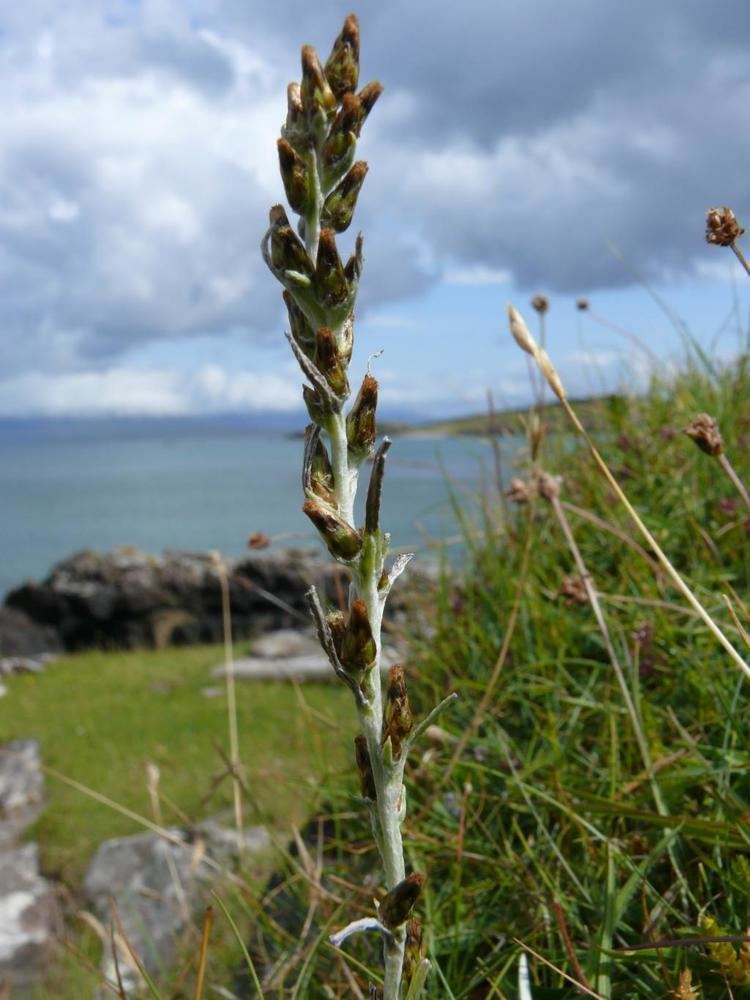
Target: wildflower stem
[740, 257]
[734, 478]
[344, 476]
[322, 182]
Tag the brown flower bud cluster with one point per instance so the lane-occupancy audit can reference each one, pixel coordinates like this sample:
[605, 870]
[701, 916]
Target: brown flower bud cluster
[722, 227]
[353, 639]
[549, 486]
[704, 430]
[398, 720]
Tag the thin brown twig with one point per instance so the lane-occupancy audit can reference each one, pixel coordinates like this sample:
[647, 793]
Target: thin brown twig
[569, 949]
[116, 962]
[587, 991]
[203, 956]
[234, 751]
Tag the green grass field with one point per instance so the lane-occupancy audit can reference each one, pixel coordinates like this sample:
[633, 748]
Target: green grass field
[101, 717]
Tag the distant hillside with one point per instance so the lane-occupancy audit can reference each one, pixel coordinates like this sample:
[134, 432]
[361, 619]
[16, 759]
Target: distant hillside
[510, 421]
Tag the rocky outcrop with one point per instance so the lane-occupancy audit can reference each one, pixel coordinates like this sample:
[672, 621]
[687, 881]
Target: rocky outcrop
[129, 599]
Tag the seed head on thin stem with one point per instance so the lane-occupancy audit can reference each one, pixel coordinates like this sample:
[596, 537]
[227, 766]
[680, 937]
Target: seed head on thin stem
[704, 430]
[722, 227]
[522, 336]
[519, 491]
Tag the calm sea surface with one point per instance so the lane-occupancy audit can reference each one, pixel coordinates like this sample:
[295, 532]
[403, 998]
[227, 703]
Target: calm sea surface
[196, 485]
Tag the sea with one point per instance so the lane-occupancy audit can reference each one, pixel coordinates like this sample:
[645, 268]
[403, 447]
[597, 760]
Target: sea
[197, 484]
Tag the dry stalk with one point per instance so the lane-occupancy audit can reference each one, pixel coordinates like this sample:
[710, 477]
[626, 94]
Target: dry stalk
[234, 745]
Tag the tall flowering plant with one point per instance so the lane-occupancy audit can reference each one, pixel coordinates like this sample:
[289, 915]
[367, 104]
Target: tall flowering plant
[322, 180]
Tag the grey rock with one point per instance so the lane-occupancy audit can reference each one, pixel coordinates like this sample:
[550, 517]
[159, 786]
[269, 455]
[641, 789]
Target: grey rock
[128, 599]
[306, 667]
[285, 642]
[157, 885]
[21, 636]
[21, 788]
[29, 918]
[153, 883]
[225, 845]
[25, 664]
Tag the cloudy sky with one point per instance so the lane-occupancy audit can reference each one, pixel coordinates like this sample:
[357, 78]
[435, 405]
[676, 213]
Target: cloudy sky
[517, 148]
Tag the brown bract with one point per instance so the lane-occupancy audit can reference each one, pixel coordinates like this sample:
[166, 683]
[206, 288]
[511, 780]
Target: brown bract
[396, 906]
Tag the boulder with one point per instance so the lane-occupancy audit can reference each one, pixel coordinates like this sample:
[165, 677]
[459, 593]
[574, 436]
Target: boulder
[158, 884]
[29, 919]
[22, 637]
[128, 599]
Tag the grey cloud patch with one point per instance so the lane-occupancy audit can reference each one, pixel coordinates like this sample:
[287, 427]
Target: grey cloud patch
[137, 161]
[642, 103]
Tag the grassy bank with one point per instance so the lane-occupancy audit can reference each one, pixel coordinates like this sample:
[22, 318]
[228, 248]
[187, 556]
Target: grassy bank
[604, 832]
[572, 838]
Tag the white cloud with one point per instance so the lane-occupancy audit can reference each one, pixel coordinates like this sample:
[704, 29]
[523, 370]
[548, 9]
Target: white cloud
[480, 274]
[122, 391]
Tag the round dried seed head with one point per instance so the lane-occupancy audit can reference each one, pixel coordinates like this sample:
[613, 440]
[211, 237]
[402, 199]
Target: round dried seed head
[704, 430]
[722, 227]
